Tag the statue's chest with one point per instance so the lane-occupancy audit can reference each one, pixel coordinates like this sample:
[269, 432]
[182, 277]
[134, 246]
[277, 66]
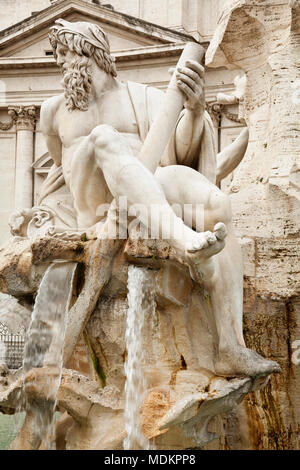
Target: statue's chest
[117, 113]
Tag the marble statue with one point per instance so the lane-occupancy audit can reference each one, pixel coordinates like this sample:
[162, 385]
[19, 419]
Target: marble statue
[94, 133]
[97, 134]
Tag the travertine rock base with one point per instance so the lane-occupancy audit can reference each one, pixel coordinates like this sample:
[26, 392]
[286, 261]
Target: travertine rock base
[262, 38]
[184, 395]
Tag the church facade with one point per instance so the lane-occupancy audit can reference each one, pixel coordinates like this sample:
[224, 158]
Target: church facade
[146, 38]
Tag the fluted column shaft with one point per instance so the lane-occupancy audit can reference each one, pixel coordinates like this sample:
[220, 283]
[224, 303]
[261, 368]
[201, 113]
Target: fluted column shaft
[24, 118]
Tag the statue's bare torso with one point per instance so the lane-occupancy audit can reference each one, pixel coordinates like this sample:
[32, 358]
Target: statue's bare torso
[73, 129]
[98, 165]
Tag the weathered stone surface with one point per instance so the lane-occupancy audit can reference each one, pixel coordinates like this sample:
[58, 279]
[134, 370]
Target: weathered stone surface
[23, 262]
[262, 38]
[183, 393]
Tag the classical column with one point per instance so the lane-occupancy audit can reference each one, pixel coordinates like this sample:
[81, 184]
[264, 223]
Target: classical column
[24, 118]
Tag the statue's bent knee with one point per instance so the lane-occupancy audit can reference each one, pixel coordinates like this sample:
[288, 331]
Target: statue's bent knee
[219, 203]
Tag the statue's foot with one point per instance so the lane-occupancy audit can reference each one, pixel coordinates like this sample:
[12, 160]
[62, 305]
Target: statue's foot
[241, 361]
[201, 248]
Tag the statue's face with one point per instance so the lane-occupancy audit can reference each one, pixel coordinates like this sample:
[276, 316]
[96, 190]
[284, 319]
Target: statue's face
[64, 57]
[77, 77]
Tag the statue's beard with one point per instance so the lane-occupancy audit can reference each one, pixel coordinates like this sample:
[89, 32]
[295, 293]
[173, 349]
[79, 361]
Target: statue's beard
[77, 81]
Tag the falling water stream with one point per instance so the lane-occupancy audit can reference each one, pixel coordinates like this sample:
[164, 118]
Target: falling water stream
[140, 302]
[44, 348]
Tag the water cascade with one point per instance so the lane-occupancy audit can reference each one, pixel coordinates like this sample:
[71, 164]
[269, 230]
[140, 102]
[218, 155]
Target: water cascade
[44, 346]
[140, 302]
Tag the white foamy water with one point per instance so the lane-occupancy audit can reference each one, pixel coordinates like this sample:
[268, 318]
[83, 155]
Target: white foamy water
[140, 301]
[44, 347]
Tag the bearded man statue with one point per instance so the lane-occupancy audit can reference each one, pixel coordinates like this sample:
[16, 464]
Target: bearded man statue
[95, 132]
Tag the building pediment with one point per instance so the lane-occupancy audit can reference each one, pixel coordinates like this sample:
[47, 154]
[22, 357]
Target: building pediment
[29, 38]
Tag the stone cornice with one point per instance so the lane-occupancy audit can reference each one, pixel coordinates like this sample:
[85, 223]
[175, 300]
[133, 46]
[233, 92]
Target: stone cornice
[24, 117]
[10, 63]
[29, 97]
[139, 53]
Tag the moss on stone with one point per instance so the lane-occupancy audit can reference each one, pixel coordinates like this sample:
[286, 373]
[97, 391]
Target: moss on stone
[96, 363]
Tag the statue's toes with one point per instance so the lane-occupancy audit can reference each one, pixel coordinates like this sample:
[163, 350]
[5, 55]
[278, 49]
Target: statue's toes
[197, 244]
[220, 231]
[270, 367]
[211, 238]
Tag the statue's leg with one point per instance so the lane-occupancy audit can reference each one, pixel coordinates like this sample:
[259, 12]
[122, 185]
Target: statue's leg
[185, 186]
[126, 176]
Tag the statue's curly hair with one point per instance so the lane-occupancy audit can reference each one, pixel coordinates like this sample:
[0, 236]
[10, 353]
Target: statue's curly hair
[82, 47]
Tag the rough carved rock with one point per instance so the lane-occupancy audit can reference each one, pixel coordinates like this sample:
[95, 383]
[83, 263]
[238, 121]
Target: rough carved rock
[262, 38]
[23, 262]
[183, 396]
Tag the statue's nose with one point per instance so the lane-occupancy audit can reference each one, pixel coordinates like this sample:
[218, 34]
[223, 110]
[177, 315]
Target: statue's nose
[59, 60]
